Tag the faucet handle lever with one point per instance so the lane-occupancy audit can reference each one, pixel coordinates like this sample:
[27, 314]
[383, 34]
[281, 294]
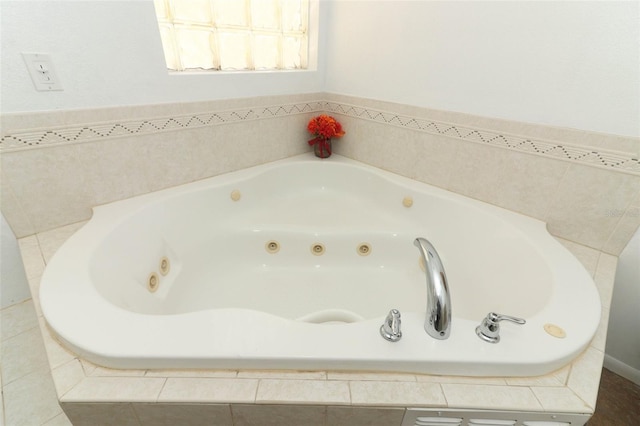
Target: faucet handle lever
[489, 328]
[390, 329]
[500, 317]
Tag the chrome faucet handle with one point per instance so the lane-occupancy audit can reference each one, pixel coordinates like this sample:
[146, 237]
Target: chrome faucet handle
[390, 329]
[489, 328]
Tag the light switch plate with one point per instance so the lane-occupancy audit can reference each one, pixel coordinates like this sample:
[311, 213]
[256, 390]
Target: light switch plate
[42, 72]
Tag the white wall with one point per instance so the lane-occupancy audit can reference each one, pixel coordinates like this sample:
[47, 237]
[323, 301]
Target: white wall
[14, 287]
[570, 64]
[623, 339]
[109, 53]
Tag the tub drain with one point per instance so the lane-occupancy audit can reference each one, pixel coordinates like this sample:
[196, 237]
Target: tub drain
[364, 249]
[272, 246]
[153, 282]
[165, 266]
[235, 195]
[317, 249]
[407, 201]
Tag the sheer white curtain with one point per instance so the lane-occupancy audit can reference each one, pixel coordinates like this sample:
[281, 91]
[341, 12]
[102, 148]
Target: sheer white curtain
[234, 34]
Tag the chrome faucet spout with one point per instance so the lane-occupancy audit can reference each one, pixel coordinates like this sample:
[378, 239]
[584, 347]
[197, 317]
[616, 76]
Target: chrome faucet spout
[438, 321]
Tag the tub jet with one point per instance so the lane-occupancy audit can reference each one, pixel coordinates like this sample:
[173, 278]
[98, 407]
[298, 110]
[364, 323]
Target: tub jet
[317, 249]
[153, 282]
[272, 246]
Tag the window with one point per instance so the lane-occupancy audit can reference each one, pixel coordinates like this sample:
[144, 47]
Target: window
[234, 34]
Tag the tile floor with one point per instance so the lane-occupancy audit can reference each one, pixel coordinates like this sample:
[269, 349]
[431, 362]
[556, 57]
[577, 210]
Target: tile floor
[29, 396]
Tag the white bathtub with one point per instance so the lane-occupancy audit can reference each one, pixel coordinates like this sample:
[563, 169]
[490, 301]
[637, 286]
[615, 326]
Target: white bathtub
[228, 301]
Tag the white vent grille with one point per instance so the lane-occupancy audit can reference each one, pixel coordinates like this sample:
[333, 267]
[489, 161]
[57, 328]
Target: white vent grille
[491, 422]
[435, 417]
[438, 421]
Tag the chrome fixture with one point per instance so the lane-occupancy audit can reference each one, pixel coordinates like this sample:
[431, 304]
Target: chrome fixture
[438, 321]
[489, 328]
[390, 329]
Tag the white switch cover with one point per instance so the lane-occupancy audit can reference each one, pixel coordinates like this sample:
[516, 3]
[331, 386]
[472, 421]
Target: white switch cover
[42, 72]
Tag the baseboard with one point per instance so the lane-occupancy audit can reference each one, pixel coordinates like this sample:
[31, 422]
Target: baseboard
[622, 369]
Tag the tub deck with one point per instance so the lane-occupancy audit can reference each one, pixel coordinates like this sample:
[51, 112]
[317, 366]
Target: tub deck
[228, 302]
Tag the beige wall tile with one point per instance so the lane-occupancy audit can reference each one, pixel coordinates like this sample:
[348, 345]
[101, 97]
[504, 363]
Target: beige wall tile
[407, 152]
[362, 416]
[278, 415]
[114, 169]
[50, 241]
[303, 391]
[605, 277]
[585, 375]
[397, 394]
[284, 137]
[627, 226]
[49, 185]
[435, 156]
[490, 397]
[380, 145]
[66, 376]
[516, 181]
[56, 353]
[211, 152]
[165, 159]
[209, 390]
[586, 255]
[560, 399]
[31, 256]
[115, 389]
[581, 208]
[183, 414]
[13, 211]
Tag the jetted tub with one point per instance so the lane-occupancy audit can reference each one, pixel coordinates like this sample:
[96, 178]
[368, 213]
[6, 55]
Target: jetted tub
[295, 264]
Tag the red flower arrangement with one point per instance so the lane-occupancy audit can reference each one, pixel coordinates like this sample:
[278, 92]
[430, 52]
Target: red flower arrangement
[324, 127]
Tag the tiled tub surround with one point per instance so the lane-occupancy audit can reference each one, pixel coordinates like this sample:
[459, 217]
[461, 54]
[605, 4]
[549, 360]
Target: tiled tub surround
[56, 166]
[593, 206]
[89, 393]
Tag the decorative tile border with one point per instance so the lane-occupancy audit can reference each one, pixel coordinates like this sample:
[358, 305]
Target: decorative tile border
[617, 161]
[612, 160]
[100, 131]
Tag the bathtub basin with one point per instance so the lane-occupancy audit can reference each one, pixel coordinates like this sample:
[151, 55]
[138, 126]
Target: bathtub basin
[295, 264]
